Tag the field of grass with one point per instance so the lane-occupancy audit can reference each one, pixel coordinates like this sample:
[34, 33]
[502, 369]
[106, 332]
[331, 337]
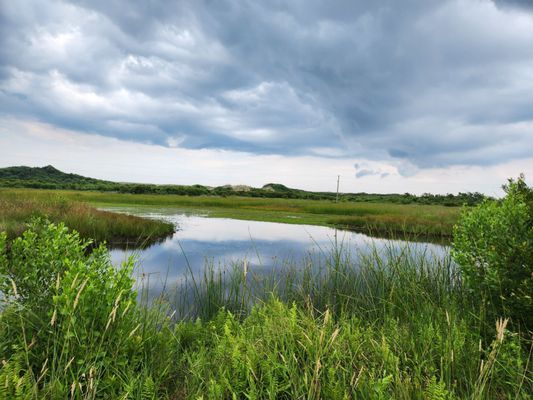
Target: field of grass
[376, 218]
[17, 208]
[393, 325]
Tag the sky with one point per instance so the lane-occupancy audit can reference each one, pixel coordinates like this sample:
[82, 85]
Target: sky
[394, 96]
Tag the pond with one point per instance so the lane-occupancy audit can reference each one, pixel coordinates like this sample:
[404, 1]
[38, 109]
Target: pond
[200, 241]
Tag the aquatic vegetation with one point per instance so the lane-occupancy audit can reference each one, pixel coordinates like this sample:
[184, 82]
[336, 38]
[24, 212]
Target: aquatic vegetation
[17, 208]
[384, 219]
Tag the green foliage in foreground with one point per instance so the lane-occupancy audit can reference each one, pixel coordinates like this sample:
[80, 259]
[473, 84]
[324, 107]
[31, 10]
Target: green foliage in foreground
[16, 208]
[389, 326]
[494, 246]
[50, 178]
[73, 330]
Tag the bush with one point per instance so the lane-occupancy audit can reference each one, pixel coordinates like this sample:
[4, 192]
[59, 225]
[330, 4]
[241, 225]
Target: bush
[70, 326]
[493, 244]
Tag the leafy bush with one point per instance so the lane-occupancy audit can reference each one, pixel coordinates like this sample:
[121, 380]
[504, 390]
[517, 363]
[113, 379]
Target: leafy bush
[70, 326]
[37, 260]
[493, 244]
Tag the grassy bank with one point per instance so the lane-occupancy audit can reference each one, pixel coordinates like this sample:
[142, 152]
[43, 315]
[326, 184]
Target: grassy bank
[376, 218]
[393, 325]
[17, 208]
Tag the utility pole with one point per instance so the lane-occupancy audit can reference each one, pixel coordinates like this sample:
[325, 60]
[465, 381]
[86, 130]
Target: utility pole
[337, 197]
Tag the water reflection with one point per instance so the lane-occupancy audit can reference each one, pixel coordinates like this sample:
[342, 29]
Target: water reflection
[220, 242]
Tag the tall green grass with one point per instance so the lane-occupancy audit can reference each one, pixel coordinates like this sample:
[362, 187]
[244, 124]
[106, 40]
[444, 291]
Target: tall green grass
[16, 208]
[384, 324]
[389, 324]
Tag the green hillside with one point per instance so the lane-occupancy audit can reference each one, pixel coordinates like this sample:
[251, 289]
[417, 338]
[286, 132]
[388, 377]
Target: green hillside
[47, 174]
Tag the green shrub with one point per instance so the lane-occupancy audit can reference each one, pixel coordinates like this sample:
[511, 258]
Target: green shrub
[493, 244]
[70, 326]
[37, 260]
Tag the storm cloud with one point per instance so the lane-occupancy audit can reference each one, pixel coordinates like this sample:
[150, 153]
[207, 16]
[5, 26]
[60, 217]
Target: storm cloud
[420, 83]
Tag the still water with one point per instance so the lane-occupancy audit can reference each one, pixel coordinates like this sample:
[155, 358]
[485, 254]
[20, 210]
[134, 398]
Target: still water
[200, 241]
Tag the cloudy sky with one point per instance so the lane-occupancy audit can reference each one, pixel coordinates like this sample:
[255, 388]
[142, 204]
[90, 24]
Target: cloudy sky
[394, 96]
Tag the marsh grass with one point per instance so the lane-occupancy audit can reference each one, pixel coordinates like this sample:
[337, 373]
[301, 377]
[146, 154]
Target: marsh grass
[392, 220]
[17, 208]
[406, 227]
[389, 324]
[382, 324]
[340, 280]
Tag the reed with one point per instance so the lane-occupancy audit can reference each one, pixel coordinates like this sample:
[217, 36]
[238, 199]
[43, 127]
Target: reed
[386, 324]
[18, 208]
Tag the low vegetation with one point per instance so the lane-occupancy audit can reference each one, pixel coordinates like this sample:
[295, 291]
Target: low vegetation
[426, 222]
[390, 324]
[17, 208]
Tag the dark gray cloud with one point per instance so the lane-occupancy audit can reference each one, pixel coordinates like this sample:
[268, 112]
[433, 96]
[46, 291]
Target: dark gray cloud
[364, 170]
[422, 83]
[525, 4]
